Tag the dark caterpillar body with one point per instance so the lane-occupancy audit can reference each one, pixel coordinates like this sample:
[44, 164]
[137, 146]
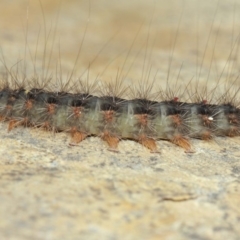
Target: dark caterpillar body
[113, 118]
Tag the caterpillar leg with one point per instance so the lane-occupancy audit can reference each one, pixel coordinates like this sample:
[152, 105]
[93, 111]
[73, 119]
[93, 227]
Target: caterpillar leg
[233, 132]
[77, 137]
[182, 142]
[206, 135]
[149, 143]
[14, 123]
[112, 141]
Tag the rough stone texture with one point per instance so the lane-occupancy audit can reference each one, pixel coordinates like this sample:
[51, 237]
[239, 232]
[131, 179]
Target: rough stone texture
[49, 190]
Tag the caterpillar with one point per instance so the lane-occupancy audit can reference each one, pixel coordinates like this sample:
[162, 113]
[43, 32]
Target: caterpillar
[102, 110]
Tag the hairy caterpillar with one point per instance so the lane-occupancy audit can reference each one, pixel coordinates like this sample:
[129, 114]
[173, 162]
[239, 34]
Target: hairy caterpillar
[142, 116]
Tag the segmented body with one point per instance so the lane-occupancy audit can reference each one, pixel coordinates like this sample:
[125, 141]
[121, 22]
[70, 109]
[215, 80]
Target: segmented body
[113, 118]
